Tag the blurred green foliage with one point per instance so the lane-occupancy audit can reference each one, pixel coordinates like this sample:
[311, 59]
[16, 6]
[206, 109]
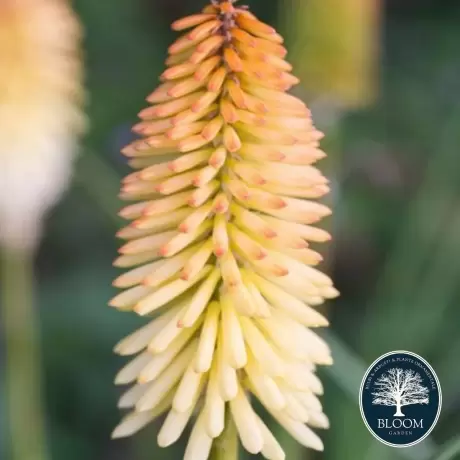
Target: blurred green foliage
[396, 228]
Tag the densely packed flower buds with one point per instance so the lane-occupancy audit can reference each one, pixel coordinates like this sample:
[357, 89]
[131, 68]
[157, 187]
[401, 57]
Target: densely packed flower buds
[219, 244]
[40, 112]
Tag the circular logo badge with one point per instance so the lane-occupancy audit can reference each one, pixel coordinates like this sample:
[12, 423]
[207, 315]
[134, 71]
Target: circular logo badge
[400, 399]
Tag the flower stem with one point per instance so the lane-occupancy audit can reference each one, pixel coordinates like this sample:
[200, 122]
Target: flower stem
[23, 376]
[226, 445]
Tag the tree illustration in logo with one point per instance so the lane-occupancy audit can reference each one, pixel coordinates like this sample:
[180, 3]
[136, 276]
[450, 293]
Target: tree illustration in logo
[399, 387]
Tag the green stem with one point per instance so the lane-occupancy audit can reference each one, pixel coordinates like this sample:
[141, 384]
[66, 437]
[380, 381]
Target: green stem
[226, 446]
[23, 376]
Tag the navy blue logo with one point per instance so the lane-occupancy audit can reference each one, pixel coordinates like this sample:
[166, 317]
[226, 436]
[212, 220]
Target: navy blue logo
[400, 399]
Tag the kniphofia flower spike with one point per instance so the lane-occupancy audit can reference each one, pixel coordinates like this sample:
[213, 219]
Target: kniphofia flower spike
[219, 244]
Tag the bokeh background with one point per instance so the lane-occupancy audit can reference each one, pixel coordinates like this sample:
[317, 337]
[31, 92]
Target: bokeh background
[383, 80]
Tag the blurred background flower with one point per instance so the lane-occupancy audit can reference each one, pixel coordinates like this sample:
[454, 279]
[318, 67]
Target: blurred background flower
[335, 45]
[40, 95]
[40, 118]
[396, 227]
